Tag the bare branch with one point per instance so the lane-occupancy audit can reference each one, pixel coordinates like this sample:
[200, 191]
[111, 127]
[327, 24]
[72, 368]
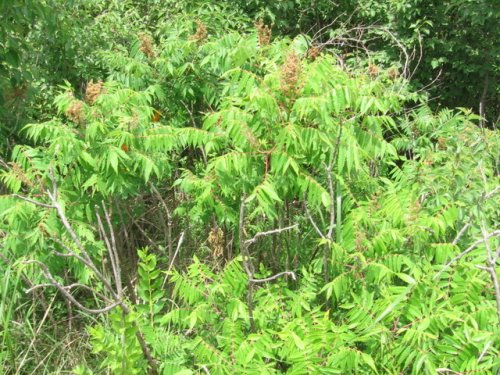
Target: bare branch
[271, 278]
[87, 262]
[462, 231]
[112, 258]
[247, 263]
[32, 201]
[169, 220]
[331, 190]
[268, 233]
[66, 294]
[491, 193]
[114, 252]
[85, 259]
[402, 48]
[491, 260]
[465, 252]
[68, 288]
[313, 223]
[483, 353]
[172, 261]
[448, 371]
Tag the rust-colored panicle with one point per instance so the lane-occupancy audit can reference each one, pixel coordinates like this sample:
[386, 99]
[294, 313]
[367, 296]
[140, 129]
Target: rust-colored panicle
[93, 91]
[264, 33]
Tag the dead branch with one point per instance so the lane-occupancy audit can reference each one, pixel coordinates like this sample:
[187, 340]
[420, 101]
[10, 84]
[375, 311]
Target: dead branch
[268, 233]
[172, 261]
[62, 289]
[85, 258]
[169, 221]
[466, 251]
[274, 277]
[491, 261]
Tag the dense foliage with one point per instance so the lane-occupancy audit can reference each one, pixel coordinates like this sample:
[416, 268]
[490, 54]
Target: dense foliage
[248, 187]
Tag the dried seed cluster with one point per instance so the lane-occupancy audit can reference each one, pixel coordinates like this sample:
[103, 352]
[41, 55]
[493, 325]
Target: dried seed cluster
[21, 175]
[93, 91]
[146, 45]
[75, 111]
[313, 52]
[201, 32]
[373, 70]
[442, 143]
[290, 72]
[360, 240]
[414, 211]
[216, 241]
[16, 93]
[264, 33]
[393, 73]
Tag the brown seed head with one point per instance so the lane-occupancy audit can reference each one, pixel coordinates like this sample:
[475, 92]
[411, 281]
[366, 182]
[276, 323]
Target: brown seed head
[16, 93]
[360, 239]
[75, 111]
[442, 143]
[146, 45]
[373, 70]
[290, 72]
[216, 241]
[414, 211]
[393, 73]
[18, 171]
[93, 91]
[313, 52]
[264, 33]
[201, 32]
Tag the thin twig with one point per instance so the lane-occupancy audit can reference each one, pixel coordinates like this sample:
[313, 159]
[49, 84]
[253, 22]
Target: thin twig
[45, 315]
[114, 252]
[104, 237]
[66, 294]
[169, 220]
[32, 201]
[268, 233]
[462, 231]
[331, 190]
[172, 261]
[491, 260]
[483, 353]
[313, 223]
[465, 252]
[271, 278]
[69, 287]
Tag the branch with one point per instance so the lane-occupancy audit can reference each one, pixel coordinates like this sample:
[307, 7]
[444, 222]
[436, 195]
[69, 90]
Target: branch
[313, 223]
[87, 262]
[268, 233]
[86, 259]
[172, 261]
[491, 260]
[491, 193]
[68, 288]
[169, 219]
[33, 201]
[114, 252]
[448, 371]
[66, 294]
[465, 252]
[462, 231]
[271, 278]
